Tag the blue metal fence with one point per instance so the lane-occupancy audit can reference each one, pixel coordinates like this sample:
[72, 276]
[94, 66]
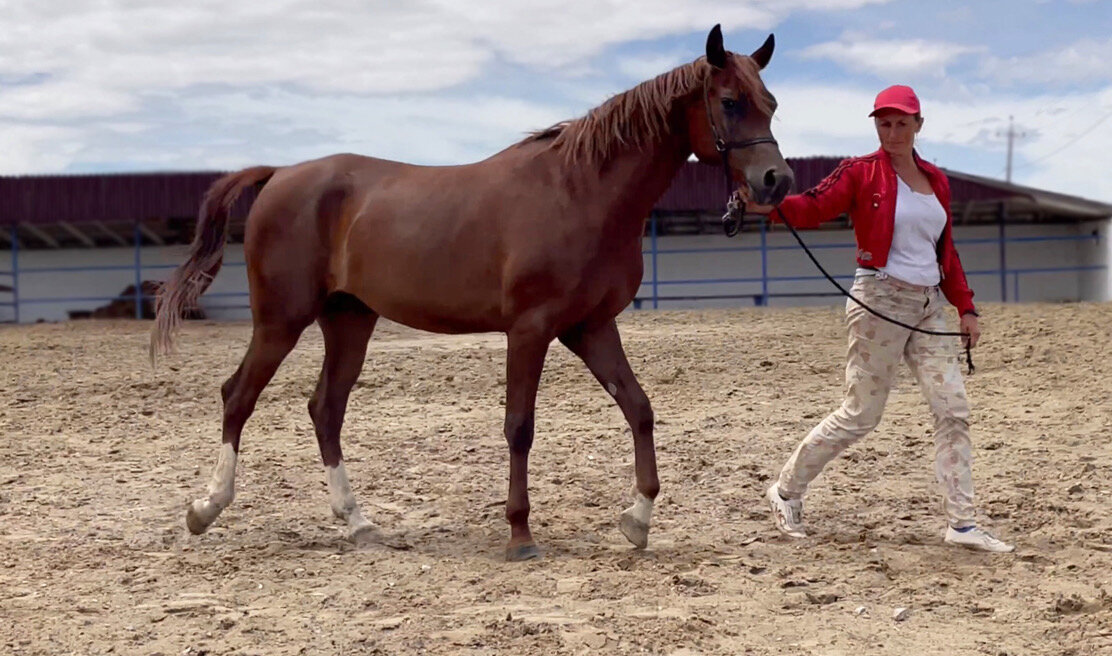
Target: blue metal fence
[655, 283]
[17, 272]
[13, 275]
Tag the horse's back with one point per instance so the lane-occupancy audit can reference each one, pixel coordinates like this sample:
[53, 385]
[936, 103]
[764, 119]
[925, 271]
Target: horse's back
[440, 248]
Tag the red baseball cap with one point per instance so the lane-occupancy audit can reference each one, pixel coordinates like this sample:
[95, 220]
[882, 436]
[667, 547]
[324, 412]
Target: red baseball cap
[898, 97]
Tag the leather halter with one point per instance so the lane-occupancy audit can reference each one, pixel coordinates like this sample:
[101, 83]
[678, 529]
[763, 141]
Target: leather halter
[731, 223]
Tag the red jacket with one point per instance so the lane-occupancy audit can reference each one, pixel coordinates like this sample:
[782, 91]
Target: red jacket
[865, 187]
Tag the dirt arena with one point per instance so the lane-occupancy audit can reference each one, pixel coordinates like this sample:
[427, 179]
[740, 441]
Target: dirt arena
[99, 456]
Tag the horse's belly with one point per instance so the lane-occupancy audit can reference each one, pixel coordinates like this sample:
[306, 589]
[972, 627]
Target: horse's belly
[444, 304]
[433, 319]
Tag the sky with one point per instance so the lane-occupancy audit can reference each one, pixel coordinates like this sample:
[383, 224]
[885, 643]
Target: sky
[131, 85]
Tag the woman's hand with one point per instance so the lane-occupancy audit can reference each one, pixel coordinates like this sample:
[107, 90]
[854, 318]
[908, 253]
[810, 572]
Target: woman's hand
[741, 196]
[972, 330]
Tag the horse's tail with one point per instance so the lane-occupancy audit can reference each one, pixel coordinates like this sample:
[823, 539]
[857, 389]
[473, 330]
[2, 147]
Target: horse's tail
[206, 254]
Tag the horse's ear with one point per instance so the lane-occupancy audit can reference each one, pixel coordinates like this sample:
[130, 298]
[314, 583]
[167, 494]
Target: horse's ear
[764, 53]
[716, 52]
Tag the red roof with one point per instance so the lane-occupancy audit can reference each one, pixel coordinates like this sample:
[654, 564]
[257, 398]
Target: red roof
[111, 197]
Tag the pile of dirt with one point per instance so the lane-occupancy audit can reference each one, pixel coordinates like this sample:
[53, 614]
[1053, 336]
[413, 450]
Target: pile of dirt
[123, 306]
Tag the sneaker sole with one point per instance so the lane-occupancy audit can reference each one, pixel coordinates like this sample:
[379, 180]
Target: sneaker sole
[795, 534]
[973, 547]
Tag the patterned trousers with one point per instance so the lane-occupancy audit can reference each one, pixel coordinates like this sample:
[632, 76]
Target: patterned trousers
[875, 349]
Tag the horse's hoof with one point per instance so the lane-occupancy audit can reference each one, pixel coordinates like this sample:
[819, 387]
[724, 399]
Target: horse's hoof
[193, 521]
[636, 531]
[365, 534]
[520, 552]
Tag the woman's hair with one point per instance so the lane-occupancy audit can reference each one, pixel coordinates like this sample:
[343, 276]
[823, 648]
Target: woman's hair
[918, 116]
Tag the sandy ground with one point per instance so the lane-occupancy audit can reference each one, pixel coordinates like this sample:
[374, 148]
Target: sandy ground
[99, 456]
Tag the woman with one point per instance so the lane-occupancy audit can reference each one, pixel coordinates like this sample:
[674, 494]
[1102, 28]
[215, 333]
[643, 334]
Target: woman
[900, 206]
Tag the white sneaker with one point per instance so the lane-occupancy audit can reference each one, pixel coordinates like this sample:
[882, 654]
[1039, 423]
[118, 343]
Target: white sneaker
[977, 538]
[787, 514]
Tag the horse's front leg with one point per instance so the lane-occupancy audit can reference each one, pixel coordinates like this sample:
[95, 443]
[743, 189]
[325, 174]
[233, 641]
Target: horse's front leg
[524, 361]
[600, 348]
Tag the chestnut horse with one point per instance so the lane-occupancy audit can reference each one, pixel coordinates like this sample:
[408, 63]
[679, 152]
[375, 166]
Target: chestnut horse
[541, 241]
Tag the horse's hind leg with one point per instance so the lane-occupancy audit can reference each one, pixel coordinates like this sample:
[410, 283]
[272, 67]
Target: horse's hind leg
[347, 325]
[270, 344]
[600, 348]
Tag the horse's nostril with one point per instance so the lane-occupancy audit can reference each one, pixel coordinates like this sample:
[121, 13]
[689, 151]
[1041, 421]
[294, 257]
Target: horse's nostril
[770, 178]
[776, 185]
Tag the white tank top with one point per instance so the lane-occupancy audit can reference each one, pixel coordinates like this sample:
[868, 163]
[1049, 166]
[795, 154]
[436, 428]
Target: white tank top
[920, 219]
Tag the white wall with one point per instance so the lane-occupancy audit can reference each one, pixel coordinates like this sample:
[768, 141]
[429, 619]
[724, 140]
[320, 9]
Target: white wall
[980, 261]
[1097, 286]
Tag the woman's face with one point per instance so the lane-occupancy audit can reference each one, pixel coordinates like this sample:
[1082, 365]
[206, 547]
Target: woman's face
[896, 131]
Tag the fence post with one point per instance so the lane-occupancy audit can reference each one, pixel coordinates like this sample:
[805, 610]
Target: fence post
[656, 277]
[15, 271]
[1003, 255]
[138, 272]
[764, 261]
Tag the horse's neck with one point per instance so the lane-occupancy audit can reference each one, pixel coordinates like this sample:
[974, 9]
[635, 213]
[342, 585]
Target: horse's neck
[634, 179]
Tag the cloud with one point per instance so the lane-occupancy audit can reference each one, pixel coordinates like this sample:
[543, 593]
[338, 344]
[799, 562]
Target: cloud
[36, 148]
[1085, 61]
[890, 58]
[233, 129]
[136, 83]
[316, 46]
[650, 65]
[334, 45]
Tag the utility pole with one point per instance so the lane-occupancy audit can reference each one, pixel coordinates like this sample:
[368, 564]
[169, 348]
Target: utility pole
[1012, 135]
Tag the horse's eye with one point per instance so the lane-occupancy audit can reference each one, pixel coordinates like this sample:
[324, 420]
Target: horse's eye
[734, 106]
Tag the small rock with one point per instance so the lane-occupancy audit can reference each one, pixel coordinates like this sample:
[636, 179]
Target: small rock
[1075, 604]
[901, 614]
[822, 598]
[390, 623]
[1076, 488]
[861, 610]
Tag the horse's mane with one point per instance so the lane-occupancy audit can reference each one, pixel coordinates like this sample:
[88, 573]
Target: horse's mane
[640, 115]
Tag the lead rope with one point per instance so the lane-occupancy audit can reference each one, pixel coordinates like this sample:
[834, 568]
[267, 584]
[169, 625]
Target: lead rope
[731, 220]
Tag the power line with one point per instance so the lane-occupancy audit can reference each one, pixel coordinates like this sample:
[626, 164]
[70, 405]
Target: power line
[1068, 143]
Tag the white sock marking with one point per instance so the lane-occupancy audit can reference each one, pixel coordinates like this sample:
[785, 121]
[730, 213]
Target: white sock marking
[642, 509]
[343, 500]
[221, 487]
[339, 491]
